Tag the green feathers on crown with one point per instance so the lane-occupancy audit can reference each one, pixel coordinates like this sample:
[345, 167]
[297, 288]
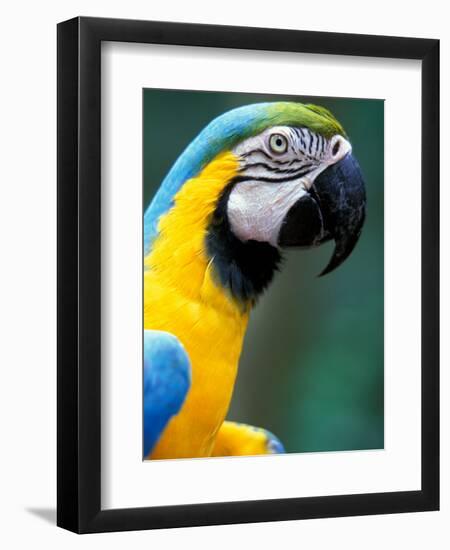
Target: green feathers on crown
[234, 126]
[316, 118]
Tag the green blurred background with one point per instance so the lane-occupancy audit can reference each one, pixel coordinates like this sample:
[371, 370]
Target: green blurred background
[312, 367]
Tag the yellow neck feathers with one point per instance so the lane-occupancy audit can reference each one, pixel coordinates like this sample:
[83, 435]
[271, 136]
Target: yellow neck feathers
[178, 256]
[182, 296]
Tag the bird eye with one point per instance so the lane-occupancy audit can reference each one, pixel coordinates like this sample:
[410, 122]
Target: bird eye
[278, 144]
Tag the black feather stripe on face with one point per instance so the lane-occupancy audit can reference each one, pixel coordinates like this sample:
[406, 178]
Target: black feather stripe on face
[304, 153]
[245, 269]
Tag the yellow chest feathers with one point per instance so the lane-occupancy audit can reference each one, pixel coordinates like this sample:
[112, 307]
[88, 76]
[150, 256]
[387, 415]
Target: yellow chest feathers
[182, 296]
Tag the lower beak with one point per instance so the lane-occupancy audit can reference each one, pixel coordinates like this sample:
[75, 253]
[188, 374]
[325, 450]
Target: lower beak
[334, 208]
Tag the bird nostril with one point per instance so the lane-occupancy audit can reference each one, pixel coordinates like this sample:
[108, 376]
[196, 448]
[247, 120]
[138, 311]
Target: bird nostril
[336, 148]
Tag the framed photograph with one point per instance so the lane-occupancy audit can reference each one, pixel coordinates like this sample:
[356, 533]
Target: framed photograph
[248, 288]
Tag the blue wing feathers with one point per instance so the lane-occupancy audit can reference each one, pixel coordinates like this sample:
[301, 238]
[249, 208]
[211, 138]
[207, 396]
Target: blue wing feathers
[167, 378]
[274, 445]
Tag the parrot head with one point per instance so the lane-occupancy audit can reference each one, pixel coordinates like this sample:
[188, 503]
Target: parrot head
[297, 184]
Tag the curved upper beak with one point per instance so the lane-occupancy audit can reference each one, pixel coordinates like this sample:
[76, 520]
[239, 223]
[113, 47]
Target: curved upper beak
[334, 208]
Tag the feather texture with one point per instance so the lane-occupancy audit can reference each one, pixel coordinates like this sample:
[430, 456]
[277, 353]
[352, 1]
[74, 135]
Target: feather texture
[236, 439]
[167, 377]
[183, 297]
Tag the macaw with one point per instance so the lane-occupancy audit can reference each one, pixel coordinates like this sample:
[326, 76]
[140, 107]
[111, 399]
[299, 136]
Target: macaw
[256, 180]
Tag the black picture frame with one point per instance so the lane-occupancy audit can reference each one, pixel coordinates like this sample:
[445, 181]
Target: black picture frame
[79, 277]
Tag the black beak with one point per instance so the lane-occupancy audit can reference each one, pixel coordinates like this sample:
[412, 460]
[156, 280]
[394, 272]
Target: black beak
[334, 208]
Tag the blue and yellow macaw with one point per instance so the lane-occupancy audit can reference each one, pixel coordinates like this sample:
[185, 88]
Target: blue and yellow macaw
[256, 180]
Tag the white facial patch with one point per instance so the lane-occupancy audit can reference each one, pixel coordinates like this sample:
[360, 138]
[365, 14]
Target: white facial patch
[278, 167]
[257, 214]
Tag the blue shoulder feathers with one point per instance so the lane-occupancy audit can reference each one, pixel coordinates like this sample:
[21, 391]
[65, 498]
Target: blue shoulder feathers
[167, 378]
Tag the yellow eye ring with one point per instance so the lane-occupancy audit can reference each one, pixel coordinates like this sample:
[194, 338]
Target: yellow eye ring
[278, 144]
